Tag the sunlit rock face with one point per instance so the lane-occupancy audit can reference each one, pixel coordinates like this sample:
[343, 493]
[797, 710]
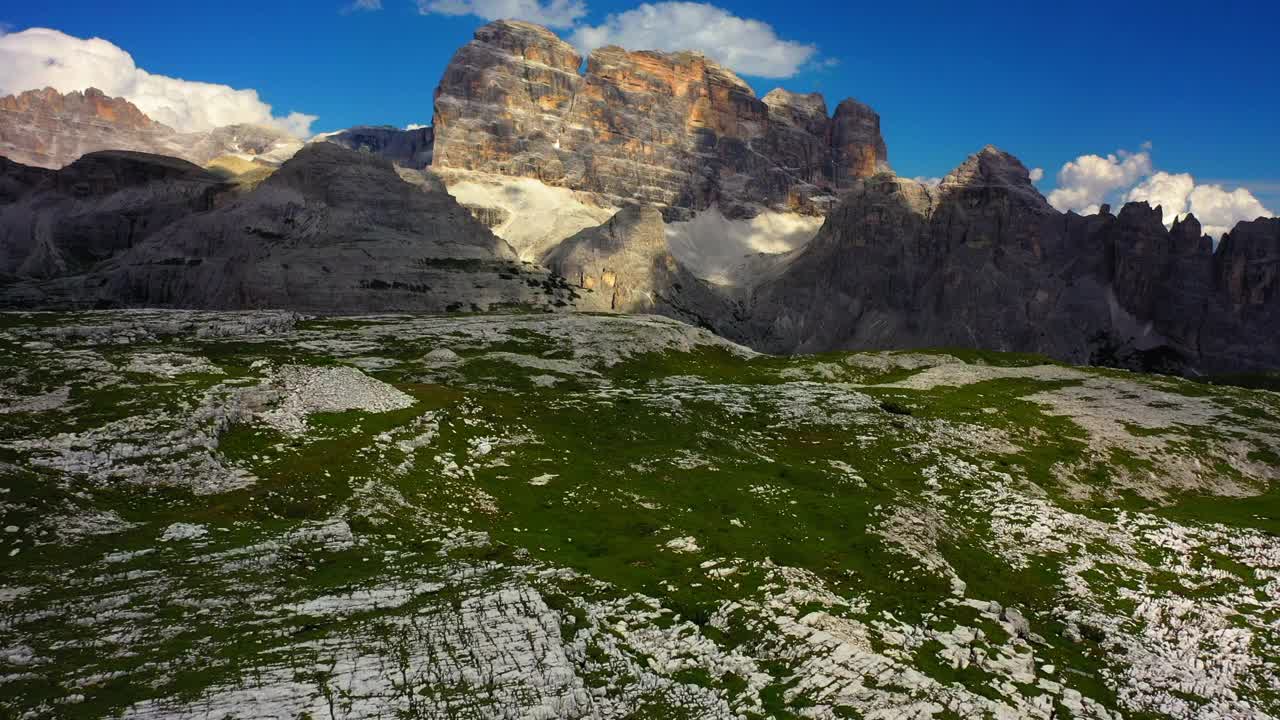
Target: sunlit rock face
[45, 128]
[620, 264]
[49, 129]
[674, 130]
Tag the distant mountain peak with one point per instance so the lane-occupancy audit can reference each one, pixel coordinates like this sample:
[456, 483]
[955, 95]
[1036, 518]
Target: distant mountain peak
[50, 129]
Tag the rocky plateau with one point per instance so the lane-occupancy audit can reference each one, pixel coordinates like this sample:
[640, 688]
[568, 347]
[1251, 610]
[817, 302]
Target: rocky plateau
[267, 515]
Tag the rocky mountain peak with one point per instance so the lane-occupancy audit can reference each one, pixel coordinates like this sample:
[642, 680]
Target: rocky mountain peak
[1141, 215]
[993, 168]
[46, 128]
[804, 110]
[1188, 236]
[339, 177]
[686, 73]
[48, 105]
[407, 148]
[529, 42]
[858, 148]
[107, 171]
[674, 130]
[620, 265]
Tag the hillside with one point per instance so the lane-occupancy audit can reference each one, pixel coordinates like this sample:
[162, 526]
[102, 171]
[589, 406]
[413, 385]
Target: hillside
[593, 516]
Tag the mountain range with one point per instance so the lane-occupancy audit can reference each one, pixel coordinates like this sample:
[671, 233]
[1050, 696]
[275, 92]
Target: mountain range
[644, 182]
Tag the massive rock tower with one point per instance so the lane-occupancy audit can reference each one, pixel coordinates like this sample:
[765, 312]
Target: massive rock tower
[675, 130]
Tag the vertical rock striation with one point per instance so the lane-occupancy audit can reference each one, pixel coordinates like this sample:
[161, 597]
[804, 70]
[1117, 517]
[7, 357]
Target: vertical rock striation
[674, 130]
[45, 128]
[618, 265]
[49, 129]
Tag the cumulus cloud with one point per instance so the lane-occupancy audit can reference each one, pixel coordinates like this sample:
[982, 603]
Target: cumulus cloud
[415, 126]
[746, 46]
[1169, 191]
[1086, 182]
[1217, 208]
[552, 13]
[39, 57]
[1037, 174]
[1089, 180]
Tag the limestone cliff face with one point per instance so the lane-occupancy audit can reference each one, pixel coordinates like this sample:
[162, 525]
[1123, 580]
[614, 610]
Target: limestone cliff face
[674, 130]
[45, 128]
[49, 129]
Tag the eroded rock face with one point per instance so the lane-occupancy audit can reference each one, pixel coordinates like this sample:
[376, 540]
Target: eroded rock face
[616, 263]
[983, 261]
[49, 129]
[45, 128]
[331, 231]
[1245, 304]
[674, 130]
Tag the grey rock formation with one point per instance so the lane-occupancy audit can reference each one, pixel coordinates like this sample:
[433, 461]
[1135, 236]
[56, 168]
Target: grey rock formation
[618, 263]
[406, 148]
[17, 179]
[65, 221]
[332, 231]
[983, 261]
[260, 144]
[674, 130]
[1239, 327]
[45, 128]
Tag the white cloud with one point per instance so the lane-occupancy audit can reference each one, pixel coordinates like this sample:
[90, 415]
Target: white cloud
[1037, 174]
[415, 126]
[39, 57]
[1217, 208]
[552, 13]
[1088, 180]
[1167, 191]
[360, 5]
[746, 46]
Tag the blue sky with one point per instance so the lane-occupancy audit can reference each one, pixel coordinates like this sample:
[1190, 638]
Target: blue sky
[1045, 81]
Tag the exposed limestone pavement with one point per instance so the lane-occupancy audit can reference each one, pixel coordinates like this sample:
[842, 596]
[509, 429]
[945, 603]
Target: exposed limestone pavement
[263, 515]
